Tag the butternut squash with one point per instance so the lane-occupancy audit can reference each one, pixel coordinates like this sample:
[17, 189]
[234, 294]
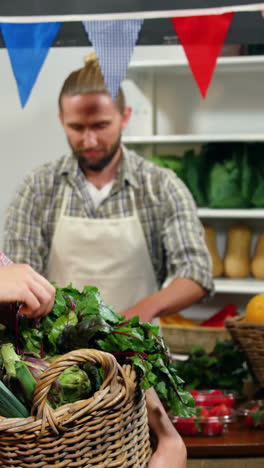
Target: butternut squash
[217, 262]
[257, 263]
[177, 319]
[237, 255]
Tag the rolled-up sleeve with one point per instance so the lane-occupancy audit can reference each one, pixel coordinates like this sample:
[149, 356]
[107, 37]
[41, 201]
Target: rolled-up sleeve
[187, 255]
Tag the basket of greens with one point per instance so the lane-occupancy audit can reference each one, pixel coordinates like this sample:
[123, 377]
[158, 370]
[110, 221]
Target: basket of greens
[72, 386]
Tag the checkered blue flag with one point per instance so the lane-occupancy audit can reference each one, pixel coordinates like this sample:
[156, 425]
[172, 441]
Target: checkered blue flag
[113, 41]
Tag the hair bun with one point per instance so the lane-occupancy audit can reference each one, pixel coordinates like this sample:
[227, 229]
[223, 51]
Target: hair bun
[90, 59]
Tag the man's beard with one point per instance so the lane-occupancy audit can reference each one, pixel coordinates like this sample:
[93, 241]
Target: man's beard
[85, 164]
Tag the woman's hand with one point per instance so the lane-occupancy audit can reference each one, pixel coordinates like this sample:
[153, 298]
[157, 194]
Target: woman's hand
[170, 454]
[169, 450]
[20, 283]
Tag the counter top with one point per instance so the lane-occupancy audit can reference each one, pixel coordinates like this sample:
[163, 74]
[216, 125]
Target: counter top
[238, 440]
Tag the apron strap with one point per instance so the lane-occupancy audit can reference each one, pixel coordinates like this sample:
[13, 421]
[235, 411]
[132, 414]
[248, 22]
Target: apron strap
[133, 202]
[65, 199]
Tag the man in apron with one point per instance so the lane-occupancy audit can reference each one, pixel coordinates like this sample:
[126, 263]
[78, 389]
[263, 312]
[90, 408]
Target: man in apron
[106, 217]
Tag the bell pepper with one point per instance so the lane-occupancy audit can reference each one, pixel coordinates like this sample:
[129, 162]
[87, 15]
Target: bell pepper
[218, 319]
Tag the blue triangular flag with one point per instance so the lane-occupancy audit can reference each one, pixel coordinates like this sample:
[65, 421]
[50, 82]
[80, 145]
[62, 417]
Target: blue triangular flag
[113, 41]
[28, 46]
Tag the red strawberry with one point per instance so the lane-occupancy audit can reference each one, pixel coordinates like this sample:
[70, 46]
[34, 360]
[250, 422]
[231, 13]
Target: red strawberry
[210, 398]
[212, 427]
[204, 412]
[220, 410]
[255, 417]
[187, 426]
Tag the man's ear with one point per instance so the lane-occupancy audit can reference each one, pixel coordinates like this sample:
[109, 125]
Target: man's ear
[125, 117]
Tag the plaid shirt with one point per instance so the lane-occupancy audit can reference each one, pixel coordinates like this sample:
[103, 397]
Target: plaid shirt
[166, 210]
[4, 261]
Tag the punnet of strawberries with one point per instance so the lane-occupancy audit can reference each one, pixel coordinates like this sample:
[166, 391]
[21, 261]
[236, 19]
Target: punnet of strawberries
[253, 413]
[209, 398]
[214, 413]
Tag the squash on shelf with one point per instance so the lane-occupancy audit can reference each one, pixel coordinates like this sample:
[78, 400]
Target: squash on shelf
[217, 262]
[237, 255]
[257, 263]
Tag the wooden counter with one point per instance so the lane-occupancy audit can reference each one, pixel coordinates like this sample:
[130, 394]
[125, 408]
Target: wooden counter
[240, 447]
[237, 441]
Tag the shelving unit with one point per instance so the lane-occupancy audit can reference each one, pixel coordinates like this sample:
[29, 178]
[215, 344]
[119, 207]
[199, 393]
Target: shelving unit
[237, 286]
[239, 213]
[217, 138]
[170, 113]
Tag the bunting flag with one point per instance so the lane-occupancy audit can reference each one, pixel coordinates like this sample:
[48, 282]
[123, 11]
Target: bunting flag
[113, 41]
[28, 46]
[202, 38]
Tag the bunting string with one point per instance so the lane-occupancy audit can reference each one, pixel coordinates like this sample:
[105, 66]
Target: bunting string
[134, 15]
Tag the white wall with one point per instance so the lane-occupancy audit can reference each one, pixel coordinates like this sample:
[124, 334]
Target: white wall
[31, 136]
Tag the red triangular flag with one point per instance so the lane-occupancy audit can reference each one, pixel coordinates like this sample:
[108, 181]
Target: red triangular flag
[202, 38]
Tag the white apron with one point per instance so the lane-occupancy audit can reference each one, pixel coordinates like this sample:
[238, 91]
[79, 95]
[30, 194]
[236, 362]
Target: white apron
[110, 254]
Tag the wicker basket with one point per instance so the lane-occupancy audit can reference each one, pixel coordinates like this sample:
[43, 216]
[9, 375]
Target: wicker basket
[250, 338]
[180, 339]
[110, 429]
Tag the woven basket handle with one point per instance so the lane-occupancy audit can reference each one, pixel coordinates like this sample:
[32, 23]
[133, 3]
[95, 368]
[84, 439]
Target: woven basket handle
[112, 370]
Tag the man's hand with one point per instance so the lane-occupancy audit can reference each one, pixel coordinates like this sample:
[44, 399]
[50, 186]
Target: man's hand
[20, 283]
[178, 295]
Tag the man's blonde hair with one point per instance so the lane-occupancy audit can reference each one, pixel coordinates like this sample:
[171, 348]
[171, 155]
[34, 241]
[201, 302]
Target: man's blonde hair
[86, 80]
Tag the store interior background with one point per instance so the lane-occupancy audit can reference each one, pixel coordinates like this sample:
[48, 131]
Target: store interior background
[165, 100]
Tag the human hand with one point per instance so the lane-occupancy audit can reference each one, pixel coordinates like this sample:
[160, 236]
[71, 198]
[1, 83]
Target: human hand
[170, 453]
[146, 309]
[20, 283]
[169, 448]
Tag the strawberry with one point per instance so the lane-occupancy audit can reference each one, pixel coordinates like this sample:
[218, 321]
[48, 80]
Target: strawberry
[255, 417]
[212, 427]
[213, 398]
[187, 426]
[204, 412]
[220, 410]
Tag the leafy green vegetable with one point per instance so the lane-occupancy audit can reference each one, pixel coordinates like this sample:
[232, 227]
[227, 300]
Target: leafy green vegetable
[258, 416]
[175, 163]
[15, 367]
[224, 368]
[82, 319]
[10, 406]
[195, 171]
[230, 179]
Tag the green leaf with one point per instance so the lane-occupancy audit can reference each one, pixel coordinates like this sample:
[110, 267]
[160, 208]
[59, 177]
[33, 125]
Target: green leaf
[63, 321]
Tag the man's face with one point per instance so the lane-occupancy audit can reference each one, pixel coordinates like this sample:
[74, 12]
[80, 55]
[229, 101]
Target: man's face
[93, 126]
